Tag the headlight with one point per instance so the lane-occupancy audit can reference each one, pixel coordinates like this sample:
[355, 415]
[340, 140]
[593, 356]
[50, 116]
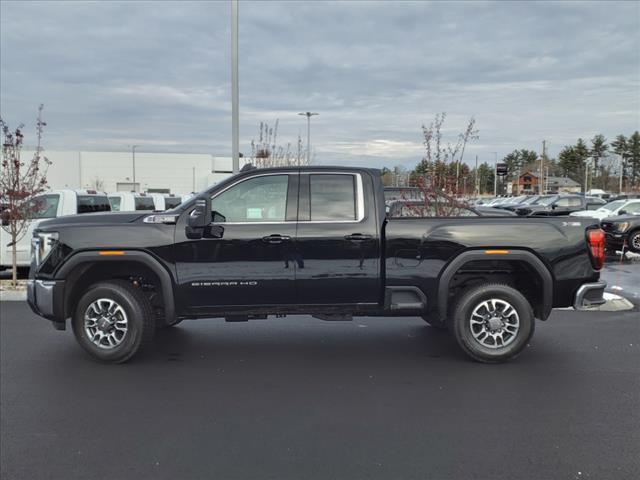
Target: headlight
[41, 245]
[622, 226]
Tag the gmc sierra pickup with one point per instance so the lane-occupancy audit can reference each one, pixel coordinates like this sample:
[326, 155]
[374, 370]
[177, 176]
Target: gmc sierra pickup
[309, 240]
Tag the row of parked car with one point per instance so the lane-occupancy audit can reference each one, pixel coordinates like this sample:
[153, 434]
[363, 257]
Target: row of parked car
[58, 203]
[620, 218]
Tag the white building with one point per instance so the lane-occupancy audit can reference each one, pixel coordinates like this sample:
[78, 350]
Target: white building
[176, 173]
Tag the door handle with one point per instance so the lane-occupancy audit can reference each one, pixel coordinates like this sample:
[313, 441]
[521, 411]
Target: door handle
[276, 238]
[358, 237]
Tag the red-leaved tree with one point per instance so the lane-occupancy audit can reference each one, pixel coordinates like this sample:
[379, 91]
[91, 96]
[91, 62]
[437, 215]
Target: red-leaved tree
[20, 181]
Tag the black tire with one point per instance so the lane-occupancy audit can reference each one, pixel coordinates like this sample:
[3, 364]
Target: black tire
[435, 324]
[634, 241]
[474, 339]
[139, 316]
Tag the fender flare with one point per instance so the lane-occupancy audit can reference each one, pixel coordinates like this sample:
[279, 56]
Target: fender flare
[510, 255]
[166, 282]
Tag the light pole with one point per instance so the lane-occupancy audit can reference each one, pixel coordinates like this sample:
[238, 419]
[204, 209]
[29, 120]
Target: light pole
[308, 115]
[235, 122]
[133, 157]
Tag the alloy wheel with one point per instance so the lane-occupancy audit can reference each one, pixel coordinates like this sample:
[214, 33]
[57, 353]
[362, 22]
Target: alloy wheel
[494, 323]
[106, 323]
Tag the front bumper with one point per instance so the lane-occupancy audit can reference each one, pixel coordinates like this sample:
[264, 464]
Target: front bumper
[614, 241]
[590, 295]
[46, 298]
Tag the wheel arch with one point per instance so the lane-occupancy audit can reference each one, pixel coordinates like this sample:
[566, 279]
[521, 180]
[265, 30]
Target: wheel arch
[79, 267]
[510, 257]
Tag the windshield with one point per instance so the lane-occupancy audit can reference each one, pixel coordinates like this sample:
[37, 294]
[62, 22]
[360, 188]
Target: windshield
[531, 200]
[611, 206]
[546, 200]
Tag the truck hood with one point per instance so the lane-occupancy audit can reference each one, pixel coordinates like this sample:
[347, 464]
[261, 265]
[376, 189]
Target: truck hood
[109, 218]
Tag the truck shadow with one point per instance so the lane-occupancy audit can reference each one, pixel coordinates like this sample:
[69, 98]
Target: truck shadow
[375, 341]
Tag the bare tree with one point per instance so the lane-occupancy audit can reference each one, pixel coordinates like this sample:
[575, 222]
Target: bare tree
[441, 164]
[265, 152]
[97, 184]
[20, 181]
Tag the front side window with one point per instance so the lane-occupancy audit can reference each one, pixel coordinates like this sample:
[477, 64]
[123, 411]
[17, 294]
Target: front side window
[115, 203]
[258, 199]
[93, 203]
[332, 197]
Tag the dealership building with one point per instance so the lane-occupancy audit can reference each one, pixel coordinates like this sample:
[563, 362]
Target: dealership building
[176, 173]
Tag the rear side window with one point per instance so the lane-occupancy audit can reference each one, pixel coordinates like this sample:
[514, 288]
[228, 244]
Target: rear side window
[332, 197]
[93, 203]
[115, 203]
[144, 203]
[569, 202]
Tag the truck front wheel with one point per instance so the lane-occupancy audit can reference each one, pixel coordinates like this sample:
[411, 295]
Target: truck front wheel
[113, 320]
[492, 323]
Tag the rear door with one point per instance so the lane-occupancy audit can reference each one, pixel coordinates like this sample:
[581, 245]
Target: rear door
[337, 242]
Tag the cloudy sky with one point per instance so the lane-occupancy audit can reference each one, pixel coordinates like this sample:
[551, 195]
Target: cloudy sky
[157, 74]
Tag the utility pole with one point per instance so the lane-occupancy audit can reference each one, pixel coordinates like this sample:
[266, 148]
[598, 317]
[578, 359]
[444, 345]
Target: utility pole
[308, 115]
[621, 173]
[133, 155]
[544, 154]
[495, 175]
[235, 121]
[586, 175]
[193, 184]
[477, 178]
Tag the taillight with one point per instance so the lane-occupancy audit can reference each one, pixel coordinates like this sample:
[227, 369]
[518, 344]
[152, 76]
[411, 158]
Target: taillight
[595, 239]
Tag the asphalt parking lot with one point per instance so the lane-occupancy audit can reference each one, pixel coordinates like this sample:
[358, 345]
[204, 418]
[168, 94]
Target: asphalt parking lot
[300, 398]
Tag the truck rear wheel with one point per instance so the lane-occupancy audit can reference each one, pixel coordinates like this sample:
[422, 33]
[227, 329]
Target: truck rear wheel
[113, 321]
[492, 323]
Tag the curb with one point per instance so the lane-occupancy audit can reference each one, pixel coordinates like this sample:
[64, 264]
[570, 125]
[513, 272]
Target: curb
[13, 295]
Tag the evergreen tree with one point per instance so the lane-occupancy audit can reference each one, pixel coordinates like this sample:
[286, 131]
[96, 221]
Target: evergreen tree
[599, 149]
[633, 159]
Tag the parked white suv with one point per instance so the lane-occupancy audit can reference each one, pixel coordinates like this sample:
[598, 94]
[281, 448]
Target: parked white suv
[611, 209]
[56, 203]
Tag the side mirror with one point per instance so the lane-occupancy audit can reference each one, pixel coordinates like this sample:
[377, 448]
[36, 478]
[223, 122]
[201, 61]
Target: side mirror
[218, 217]
[622, 212]
[554, 206]
[215, 231]
[199, 218]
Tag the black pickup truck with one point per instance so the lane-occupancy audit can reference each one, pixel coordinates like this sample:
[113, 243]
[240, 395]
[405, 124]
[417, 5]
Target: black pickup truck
[309, 240]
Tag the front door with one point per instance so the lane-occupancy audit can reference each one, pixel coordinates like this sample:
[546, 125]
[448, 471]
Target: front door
[251, 263]
[338, 244]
